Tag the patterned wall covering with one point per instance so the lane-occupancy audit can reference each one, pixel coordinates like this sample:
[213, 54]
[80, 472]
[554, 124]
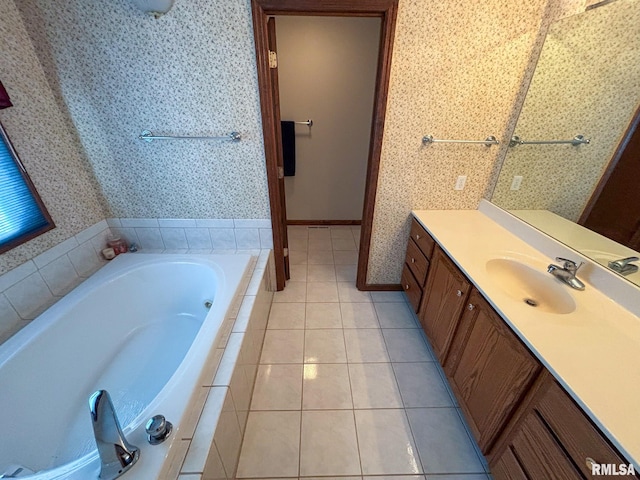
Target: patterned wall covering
[45, 141]
[191, 72]
[586, 83]
[457, 71]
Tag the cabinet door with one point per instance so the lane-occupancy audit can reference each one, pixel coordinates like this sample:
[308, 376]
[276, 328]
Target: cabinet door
[540, 454]
[493, 371]
[444, 298]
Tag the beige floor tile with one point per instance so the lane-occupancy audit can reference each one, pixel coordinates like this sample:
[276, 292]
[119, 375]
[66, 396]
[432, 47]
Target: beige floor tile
[298, 244]
[359, 315]
[328, 443]
[382, 297]
[298, 273]
[321, 273]
[349, 293]
[386, 443]
[319, 233]
[346, 273]
[320, 258]
[320, 244]
[324, 346]
[287, 316]
[345, 258]
[322, 292]
[443, 442]
[396, 315]
[326, 387]
[374, 386]
[421, 385]
[343, 244]
[406, 345]
[297, 257]
[293, 292]
[341, 232]
[271, 446]
[278, 387]
[323, 315]
[283, 346]
[365, 345]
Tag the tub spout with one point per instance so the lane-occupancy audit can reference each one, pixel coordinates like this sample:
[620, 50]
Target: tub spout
[116, 454]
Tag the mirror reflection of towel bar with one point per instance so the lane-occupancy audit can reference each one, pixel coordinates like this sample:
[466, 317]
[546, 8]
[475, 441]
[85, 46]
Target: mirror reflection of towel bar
[575, 141]
[308, 123]
[147, 136]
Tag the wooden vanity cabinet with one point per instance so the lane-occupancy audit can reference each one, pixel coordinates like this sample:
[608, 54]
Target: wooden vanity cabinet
[550, 437]
[444, 298]
[490, 370]
[416, 264]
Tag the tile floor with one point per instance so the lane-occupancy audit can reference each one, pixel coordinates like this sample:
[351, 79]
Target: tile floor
[347, 386]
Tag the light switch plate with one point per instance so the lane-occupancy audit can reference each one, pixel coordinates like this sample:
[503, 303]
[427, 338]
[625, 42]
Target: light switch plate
[462, 179]
[515, 183]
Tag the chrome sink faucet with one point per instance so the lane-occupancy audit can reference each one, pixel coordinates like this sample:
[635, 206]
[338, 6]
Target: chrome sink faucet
[624, 265]
[116, 454]
[567, 273]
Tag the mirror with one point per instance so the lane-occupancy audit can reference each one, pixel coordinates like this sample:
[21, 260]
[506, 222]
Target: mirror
[586, 82]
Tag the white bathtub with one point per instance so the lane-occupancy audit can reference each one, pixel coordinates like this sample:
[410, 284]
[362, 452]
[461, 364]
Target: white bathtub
[138, 328]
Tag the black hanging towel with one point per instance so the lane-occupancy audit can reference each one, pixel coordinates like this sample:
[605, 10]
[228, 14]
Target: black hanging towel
[289, 148]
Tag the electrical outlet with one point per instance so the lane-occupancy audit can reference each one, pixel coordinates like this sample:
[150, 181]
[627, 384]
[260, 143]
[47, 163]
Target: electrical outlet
[515, 183]
[462, 179]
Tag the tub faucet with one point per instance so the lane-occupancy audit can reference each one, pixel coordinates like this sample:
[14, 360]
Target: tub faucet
[566, 273]
[116, 454]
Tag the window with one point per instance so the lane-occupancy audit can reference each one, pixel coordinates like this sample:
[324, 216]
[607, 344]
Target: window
[23, 216]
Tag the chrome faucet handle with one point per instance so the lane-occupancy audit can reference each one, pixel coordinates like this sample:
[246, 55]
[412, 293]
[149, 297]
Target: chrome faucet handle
[569, 265]
[623, 262]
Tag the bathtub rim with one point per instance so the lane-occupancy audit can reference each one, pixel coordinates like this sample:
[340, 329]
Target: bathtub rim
[118, 268]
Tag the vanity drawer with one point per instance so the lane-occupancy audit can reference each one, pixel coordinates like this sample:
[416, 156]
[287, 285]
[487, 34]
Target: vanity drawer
[411, 288]
[417, 262]
[423, 240]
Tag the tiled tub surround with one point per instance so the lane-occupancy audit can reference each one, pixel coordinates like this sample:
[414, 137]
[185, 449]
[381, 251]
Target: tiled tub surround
[31, 288]
[347, 385]
[209, 447]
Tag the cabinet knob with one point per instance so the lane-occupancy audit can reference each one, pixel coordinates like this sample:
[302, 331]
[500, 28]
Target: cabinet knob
[459, 293]
[590, 462]
[417, 236]
[406, 287]
[413, 260]
[471, 306]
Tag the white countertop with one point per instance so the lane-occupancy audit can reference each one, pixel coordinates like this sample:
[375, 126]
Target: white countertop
[594, 352]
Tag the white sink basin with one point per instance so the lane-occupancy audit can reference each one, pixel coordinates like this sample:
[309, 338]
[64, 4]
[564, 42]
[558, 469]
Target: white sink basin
[531, 287]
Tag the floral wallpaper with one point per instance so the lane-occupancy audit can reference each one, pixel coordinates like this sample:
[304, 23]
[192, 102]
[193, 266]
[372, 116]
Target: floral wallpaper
[191, 72]
[45, 141]
[459, 70]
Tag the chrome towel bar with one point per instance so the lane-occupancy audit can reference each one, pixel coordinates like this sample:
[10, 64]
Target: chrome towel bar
[308, 123]
[427, 139]
[147, 136]
[575, 141]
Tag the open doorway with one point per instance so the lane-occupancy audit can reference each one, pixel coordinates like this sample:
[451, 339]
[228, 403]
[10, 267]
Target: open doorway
[326, 74]
[264, 31]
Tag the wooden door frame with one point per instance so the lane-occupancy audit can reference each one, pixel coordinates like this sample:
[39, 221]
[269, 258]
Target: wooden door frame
[626, 138]
[387, 11]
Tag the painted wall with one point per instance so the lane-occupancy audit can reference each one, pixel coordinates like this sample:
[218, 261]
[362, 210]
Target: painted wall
[327, 71]
[191, 72]
[45, 141]
[586, 82]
